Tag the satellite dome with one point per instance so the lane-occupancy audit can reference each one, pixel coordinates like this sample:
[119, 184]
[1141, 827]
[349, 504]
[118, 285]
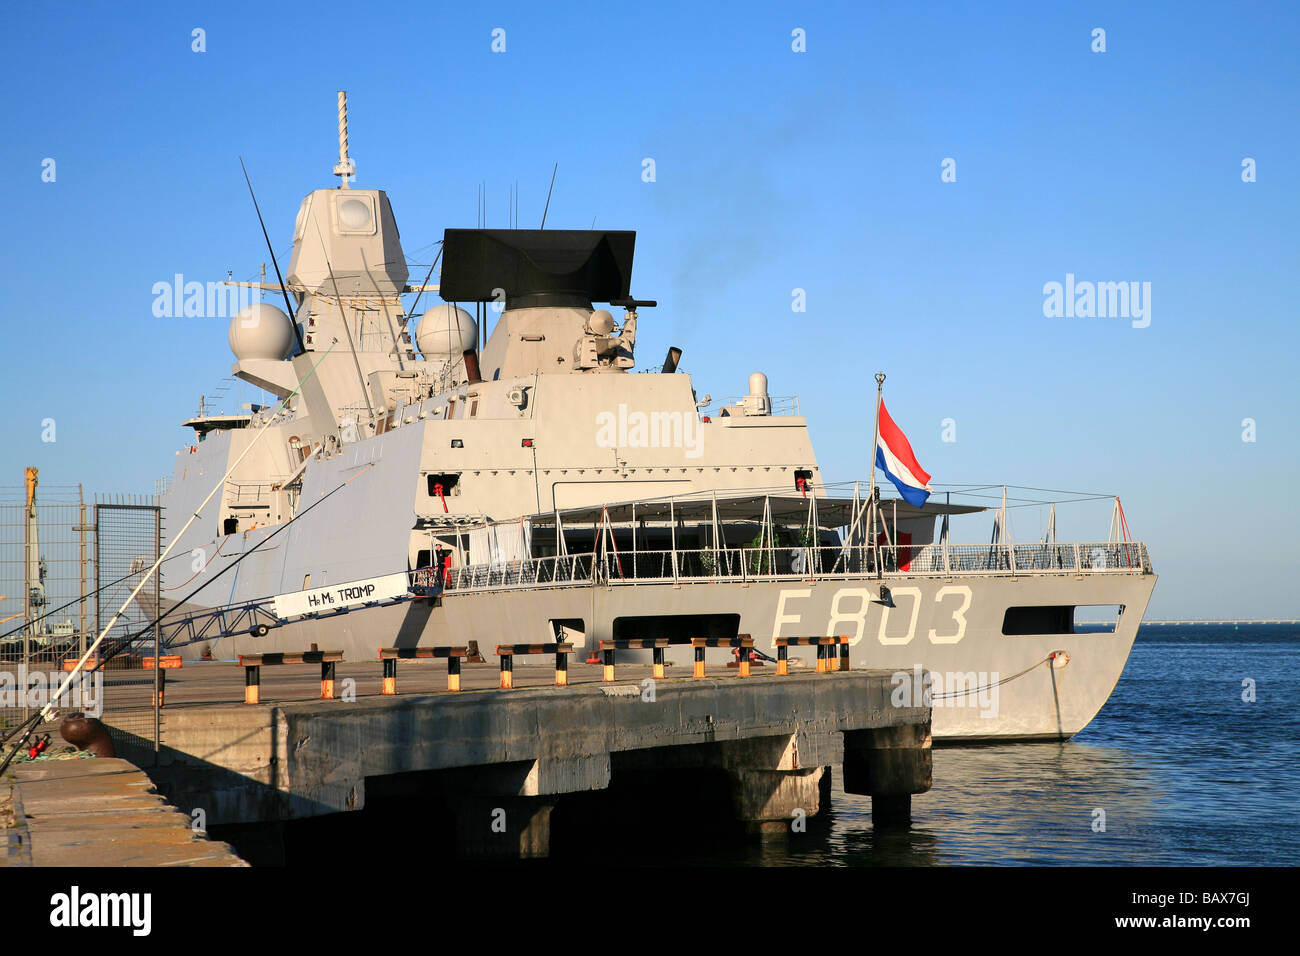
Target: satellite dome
[601, 322]
[260, 331]
[446, 331]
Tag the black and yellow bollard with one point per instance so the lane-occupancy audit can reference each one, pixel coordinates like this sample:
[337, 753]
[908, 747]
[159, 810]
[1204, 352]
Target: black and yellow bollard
[658, 662]
[252, 684]
[744, 661]
[390, 676]
[507, 671]
[453, 672]
[561, 668]
[844, 653]
[782, 659]
[159, 692]
[607, 658]
[327, 680]
[699, 662]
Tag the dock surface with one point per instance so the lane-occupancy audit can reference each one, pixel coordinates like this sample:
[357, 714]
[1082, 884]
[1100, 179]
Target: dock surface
[98, 812]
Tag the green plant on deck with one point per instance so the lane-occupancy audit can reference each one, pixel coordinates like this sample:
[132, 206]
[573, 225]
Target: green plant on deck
[760, 559]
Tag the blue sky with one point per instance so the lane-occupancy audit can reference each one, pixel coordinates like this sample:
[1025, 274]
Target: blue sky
[775, 170]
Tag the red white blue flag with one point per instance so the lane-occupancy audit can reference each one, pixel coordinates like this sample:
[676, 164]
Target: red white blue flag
[895, 458]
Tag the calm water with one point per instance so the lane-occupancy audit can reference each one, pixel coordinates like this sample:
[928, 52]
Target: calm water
[1187, 773]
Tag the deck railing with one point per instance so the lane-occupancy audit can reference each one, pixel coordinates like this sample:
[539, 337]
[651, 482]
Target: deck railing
[830, 562]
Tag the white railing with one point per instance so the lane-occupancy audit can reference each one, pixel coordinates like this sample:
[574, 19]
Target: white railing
[785, 563]
[780, 404]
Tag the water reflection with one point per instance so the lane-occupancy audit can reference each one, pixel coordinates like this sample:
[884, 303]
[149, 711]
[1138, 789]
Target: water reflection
[1183, 769]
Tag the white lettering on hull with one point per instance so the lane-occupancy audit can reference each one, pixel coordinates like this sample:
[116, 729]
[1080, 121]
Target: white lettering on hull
[334, 596]
[850, 617]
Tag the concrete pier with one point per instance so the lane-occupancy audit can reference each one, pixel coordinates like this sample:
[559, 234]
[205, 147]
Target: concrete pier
[99, 812]
[501, 760]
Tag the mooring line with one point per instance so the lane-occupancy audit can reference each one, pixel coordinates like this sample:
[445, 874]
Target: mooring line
[1005, 680]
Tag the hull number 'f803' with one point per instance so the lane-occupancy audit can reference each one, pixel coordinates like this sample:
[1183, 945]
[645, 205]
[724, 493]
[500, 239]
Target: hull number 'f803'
[897, 619]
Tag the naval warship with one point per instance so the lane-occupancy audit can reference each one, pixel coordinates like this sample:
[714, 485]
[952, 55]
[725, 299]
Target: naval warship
[421, 482]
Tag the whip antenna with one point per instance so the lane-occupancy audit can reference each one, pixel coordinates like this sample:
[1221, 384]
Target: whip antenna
[293, 319]
[548, 195]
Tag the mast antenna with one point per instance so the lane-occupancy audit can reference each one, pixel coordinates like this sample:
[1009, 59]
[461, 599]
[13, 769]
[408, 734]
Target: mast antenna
[345, 169]
[293, 318]
[548, 195]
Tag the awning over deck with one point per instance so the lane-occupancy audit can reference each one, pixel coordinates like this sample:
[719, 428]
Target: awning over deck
[785, 509]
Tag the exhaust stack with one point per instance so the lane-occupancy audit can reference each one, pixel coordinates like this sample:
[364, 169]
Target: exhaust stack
[471, 367]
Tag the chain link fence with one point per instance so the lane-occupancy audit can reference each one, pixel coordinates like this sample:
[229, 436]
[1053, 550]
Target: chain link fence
[66, 565]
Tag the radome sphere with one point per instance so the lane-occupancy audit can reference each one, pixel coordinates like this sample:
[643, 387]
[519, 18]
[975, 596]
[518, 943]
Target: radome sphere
[445, 331]
[260, 331]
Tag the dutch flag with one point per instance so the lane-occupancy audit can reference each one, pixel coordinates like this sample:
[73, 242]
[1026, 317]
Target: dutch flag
[895, 458]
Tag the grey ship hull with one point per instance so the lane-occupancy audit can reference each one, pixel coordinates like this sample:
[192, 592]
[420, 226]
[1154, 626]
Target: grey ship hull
[991, 685]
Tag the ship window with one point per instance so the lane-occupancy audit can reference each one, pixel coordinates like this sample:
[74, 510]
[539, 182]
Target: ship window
[1062, 619]
[678, 628]
[448, 481]
[572, 629]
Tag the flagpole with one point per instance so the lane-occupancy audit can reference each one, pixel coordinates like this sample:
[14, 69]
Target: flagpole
[875, 438]
[871, 490]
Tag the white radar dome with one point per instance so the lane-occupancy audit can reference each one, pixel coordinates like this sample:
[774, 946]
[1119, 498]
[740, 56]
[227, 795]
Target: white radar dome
[446, 331]
[260, 331]
[601, 322]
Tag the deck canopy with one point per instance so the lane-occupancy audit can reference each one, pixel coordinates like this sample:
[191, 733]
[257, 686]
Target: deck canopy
[786, 509]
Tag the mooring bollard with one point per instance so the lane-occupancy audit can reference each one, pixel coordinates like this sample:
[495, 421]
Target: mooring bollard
[832, 652]
[507, 653]
[655, 645]
[163, 665]
[391, 655]
[742, 641]
[252, 684]
[253, 663]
